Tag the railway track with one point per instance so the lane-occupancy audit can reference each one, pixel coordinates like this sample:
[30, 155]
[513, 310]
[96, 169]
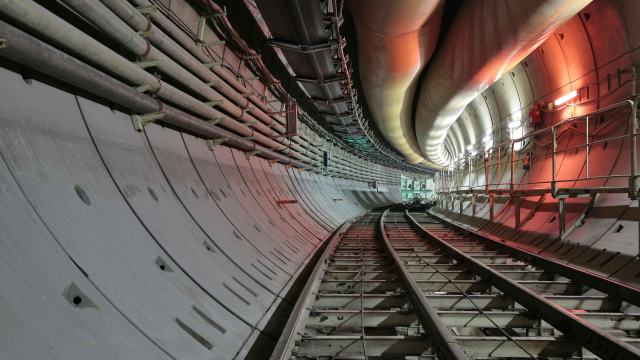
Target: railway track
[395, 285]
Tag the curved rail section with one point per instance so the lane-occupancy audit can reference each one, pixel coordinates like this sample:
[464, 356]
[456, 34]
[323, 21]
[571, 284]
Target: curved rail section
[536, 287]
[403, 285]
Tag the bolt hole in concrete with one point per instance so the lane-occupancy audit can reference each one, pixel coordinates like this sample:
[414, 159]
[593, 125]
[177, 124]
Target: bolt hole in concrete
[82, 195]
[208, 247]
[619, 228]
[257, 228]
[163, 265]
[242, 192]
[552, 220]
[223, 194]
[195, 194]
[236, 235]
[152, 193]
[76, 300]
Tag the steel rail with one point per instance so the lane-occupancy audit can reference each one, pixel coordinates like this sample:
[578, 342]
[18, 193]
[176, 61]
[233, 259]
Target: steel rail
[289, 336]
[600, 283]
[443, 344]
[591, 337]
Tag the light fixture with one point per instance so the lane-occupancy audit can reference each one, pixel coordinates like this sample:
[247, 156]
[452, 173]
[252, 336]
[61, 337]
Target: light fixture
[486, 139]
[514, 124]
[566, 98]
[470, 147]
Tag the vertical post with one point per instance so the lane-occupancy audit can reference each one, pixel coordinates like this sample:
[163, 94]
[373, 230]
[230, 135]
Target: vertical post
[554, 184]
[633, 181]
[490, 207]
[586, 155]
[473, 204]
[487, 165]
[561, 222]
[513, 165]
[469, 165]
[531, 157]
[499, 162]
[461, 203]
[517, 203]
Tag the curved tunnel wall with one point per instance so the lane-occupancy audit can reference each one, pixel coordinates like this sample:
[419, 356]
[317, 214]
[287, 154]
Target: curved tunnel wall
[119, 244]
[595, 49]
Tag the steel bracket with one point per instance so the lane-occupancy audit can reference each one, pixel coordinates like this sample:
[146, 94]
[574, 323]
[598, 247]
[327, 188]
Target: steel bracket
[212, 143]
[147, 9]
[216, 121]
[213, 83]
[143, 64]
[214, 103]
[140, 121]
[147, 87]
[271, 162]
[249, 154]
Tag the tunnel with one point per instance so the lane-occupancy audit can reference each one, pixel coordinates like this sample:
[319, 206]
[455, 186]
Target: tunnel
[319, 179]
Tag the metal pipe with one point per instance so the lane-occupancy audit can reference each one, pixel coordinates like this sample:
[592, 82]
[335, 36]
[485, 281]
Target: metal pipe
[473, 56]
[43, 22]
[395, 41]
[27, 50]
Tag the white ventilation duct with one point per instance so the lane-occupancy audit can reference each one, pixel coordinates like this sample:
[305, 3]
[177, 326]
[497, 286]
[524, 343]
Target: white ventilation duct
[395, 41]
[487, 38]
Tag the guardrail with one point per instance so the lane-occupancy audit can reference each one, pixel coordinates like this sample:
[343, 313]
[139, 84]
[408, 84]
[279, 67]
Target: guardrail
[449, 180]
[449, 177]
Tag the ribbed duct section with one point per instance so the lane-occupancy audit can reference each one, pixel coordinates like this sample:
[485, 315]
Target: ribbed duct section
[395, 41]
[487, 38]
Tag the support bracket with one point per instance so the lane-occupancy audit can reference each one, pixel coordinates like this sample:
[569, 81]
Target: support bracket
[140, 121]
[147, 9]
[271, 162]
[216, 121]
[147, 87]
[249, 154]
[212, 143]
[143, 64]
[214, 103]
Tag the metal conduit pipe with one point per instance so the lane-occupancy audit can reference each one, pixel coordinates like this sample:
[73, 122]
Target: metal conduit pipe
[184, 40]
[41, 21]
[189, 44]
[127, 13]
[31, 52]
[395, 41]
[105, 20]
[486, 39]
[130, 15]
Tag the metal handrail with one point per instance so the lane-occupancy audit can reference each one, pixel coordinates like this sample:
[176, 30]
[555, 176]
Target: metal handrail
[447, 180]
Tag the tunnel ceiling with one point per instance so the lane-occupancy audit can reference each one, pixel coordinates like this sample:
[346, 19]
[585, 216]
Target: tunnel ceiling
[389, 96]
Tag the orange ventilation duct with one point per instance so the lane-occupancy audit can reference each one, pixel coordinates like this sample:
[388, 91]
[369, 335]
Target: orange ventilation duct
[487, 38]
[395, 41]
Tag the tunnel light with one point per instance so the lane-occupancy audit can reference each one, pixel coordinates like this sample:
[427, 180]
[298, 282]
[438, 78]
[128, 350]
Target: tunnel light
[470, 147]
[566, 98]
[486, 139]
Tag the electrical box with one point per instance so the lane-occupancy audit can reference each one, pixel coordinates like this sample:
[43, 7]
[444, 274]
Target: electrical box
[327, 159]
[292, 118]
[535, 116]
